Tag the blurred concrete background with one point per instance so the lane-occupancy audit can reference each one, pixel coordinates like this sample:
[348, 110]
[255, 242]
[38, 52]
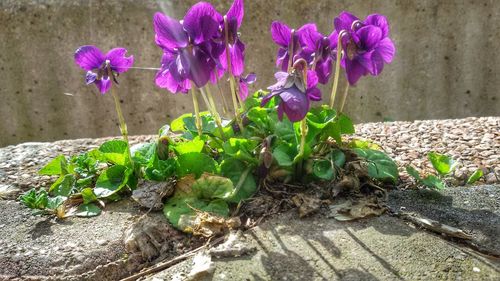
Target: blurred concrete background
[447, 63]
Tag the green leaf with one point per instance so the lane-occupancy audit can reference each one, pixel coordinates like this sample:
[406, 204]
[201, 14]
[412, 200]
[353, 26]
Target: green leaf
[259, 116]
[242, 149]
[177, 206]
[414, 173]
[142, 153]
[58, 166]
[195, 163]
[254, 100]
[207, 124]
[334, 130]
[177, 125]
[323, 169]
[212, 187]
[111, 181]
[319, 117]
[115, 152]
[88, 195]
[380, 166]
[218, 207]
[433, 182]
[54, 202]
[35, 200]
[283, 154]
[195, 145]
[475, 176]
[430, 181]
[88, 210]
[63, 185]
[346, 125]
[357, 143]
[443, 164]
[338, 158]
[160, 170]
[243, 180]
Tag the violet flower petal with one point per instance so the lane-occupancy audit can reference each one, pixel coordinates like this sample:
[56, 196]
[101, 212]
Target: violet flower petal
[344, 21]
[237, 53]
[202, 22]
[250, 78]
[324, 70]
[236, 12]
[169, 32]
[165, 79]
[309, 36]
[280, 111]
[354, 71]
[377, 63]
[386, 49]
[199, 66]
[243, 92]
[103, 85]
[118, 61]
[90, 77]
[312, 79]
[281, 78]
[369, 37]
[268, 97]
[295, 104]
[89, 57]
[380, 21]
[280, 33]
[282, 59]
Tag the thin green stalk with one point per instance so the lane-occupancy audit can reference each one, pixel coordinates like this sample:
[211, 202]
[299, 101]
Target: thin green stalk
[121, 120]
[344, 97]
[232, 82]
[205, 92]
[290, 51]
[337, 69]
[223, 98]
[196, 109]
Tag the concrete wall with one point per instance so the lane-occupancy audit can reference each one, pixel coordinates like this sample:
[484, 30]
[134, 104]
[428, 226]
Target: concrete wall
[447, 63]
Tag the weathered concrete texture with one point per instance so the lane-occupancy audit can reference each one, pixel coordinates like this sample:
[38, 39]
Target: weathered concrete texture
[383, 248]
[37, 248]
[442, 68]
[475, 209]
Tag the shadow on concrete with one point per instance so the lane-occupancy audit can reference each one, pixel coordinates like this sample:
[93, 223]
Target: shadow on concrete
[281, 263]
[472, 209]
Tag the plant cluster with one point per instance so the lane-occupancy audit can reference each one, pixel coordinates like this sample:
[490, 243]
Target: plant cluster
[274, 135]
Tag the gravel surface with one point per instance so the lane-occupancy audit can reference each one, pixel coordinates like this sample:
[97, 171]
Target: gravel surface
[474, 142]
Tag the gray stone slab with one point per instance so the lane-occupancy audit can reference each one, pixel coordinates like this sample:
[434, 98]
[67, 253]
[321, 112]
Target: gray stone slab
[382, 248]
[37, 248]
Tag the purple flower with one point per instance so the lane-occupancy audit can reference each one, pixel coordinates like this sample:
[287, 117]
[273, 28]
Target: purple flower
[366, 44]
[189, 51]
[282, 35]
[294, 96]
[320, 51]
[99, 66]
[243, 85]
[236, 48]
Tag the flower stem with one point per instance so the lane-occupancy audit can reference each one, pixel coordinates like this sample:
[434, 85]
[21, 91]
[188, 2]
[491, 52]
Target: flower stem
[303, 135]
[223, 98]
[290, 51]
[196, 109]
[337, 69]
[205, 92]
[121, 120]
[344, 97]
[232, 82]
